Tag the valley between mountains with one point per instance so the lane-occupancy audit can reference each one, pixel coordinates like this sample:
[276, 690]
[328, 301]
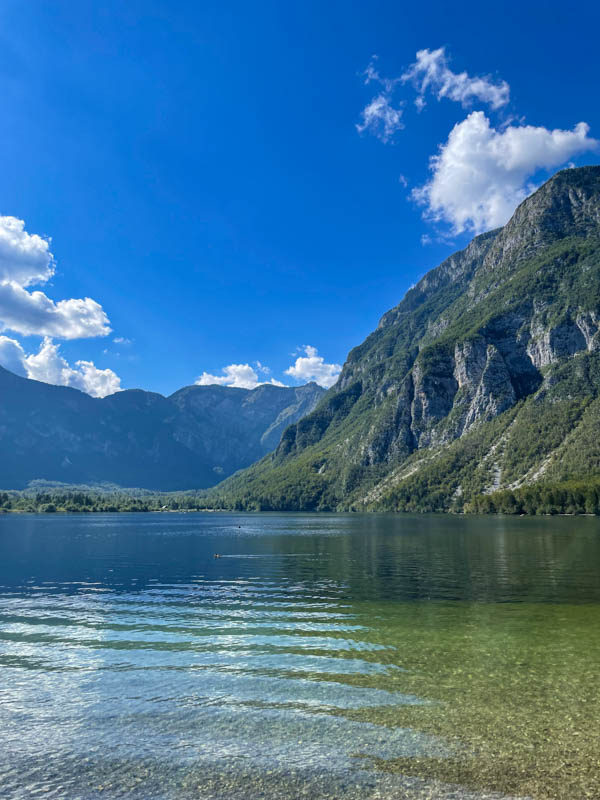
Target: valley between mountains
[479, 391]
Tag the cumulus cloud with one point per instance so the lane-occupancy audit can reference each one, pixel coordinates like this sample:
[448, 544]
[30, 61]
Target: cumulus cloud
[431, 72]
[308, 367]
[380, 117]
[312, 367]
[34, 313]
[12, 356]
[239, 376]
[49, 366]
[25, 259]
[482, 173]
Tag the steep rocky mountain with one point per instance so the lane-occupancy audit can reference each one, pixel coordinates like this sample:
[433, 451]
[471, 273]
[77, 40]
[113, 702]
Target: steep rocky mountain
[189, 440]
[486, 375]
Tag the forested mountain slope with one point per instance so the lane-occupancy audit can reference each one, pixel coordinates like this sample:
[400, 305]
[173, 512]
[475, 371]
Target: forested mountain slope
[485, 376]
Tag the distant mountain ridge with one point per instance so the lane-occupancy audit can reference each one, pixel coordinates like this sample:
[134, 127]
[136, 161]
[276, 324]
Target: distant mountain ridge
[134, 438]
[485, 376]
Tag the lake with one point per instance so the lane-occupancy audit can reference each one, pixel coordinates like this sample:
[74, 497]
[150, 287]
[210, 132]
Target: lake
[320, 656]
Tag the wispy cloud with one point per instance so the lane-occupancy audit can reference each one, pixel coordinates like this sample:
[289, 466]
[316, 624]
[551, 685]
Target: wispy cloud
[430, 72]
[383, 117]
[380, 117]
[262, 368]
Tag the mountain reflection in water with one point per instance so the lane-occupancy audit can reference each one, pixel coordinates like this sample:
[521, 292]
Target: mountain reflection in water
[319, 656]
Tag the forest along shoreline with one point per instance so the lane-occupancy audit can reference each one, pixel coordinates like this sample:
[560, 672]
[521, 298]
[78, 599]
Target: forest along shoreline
[573, 498]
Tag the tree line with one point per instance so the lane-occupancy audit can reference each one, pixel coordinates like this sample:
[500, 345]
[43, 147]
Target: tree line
[568, 497]
[87, 501]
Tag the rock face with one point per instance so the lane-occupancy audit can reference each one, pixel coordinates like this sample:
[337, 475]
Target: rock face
[489, 340]
[482, 375]
[190, 440]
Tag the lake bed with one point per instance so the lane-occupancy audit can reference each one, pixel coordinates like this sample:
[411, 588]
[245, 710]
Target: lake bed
[319, 656]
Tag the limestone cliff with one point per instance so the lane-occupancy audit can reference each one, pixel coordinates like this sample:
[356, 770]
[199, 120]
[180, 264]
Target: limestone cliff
[500, 341]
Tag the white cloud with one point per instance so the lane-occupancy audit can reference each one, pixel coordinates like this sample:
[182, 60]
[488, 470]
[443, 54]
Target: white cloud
[372, 75]
[12, 356]
[94, 381]
[122, 340]
[26, 259]
[48, 366]
[33, 313]
[481, 173]
[431, 72]
[239, 376]
[262, 368]
[308, 367]
[312, 367]
[380, 117]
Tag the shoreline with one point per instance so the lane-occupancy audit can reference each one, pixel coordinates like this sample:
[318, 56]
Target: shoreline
[64, 511]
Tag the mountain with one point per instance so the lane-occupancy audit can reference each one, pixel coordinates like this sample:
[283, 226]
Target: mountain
[189, 440]
[486, 375]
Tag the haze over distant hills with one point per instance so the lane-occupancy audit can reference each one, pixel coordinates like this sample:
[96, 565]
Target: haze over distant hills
[190, 440]
[485, 376]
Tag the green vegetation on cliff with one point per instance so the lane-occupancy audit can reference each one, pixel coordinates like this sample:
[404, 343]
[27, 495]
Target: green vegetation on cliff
[485, 377]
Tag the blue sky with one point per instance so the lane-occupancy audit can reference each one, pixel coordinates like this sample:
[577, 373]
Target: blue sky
[219, 180]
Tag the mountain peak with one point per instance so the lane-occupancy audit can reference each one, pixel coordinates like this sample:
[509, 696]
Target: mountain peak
[136, 438]
[486, 375]
[567, 204]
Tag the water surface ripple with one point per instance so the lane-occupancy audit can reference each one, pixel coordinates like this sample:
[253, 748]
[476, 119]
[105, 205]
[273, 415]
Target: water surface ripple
[318, 656]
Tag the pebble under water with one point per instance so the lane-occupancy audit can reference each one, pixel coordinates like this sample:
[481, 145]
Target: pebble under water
[320, 656]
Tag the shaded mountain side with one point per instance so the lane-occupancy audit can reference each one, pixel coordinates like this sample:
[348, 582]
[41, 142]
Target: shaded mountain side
[485, 376]
[189, 440]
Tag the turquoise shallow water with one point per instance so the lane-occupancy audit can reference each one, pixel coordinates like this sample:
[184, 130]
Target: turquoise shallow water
[320, 656]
